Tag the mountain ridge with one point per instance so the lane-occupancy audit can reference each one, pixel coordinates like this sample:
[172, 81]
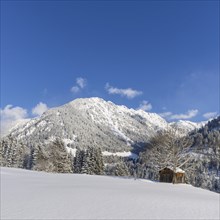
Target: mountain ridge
[94, 121]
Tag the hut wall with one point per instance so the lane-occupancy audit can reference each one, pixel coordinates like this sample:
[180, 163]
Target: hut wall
[166, 175]
[180, 178]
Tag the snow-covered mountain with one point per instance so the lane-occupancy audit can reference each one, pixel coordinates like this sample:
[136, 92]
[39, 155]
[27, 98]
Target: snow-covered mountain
[92, 122]
[95, 122]
[187, 126]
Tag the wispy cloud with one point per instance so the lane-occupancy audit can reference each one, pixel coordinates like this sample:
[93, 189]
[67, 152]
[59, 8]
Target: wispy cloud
[10, 112]
[39, 109]
[165, 114]
[188, 115]
[80, 84]
[145, 106]
[10, 116]
[209, 115]
[128, 93]
[75, 89]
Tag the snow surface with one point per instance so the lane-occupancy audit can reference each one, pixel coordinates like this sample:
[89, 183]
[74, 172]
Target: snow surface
[187, 126]
[121, 154]
[178, 170]
[67, 141]
[38, 195]
[71, 151]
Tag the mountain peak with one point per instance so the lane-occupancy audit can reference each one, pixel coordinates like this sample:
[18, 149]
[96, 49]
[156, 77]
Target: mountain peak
[94, 121]
[89, 99]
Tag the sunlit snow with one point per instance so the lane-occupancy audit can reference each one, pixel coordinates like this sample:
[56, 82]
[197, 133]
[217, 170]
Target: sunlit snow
[120, 154]
[38, 195]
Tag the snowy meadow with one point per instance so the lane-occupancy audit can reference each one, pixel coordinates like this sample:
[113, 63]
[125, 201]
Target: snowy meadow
[39, 195]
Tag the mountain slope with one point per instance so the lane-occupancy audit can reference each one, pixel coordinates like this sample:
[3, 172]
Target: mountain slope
[187, 126]
[92, 122]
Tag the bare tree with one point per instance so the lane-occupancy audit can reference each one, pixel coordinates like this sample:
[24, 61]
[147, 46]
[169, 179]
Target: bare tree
[169, 148]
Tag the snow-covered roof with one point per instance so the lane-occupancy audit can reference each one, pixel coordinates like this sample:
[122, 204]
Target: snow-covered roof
[178, 170]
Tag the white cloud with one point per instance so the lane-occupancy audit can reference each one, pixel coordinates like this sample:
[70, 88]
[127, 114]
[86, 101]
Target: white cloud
[39, 109]
[170, 116]
[13, 113]
[74, 89]
[165, 114]
[209, 115]
[10, 116]
[81, 82]
[145, 106]
[190, 114]
[129, 93]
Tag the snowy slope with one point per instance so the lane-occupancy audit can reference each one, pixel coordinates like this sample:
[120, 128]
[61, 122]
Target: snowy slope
[98, 123]
[187, 126]
[92, 121]
[38, 195]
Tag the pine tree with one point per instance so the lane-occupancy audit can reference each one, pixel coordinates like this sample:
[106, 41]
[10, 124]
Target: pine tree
[2, 159]
[121, 170]
[41, 160]
[77, 161]
[85, 169]
[91, 160]
[8, 154]
[59, 157]
[99, 163]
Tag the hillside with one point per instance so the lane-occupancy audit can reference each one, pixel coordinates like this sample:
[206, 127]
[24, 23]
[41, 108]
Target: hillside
[95, 122]
[187, 126]
[92, 121]
[39, 195]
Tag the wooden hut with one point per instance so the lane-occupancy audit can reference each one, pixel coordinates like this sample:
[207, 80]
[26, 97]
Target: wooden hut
[168, 175]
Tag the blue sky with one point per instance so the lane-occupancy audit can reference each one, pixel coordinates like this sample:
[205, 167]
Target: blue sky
[162, 56]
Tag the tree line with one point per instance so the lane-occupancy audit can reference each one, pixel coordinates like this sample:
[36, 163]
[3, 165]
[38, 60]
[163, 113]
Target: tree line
[54, 157]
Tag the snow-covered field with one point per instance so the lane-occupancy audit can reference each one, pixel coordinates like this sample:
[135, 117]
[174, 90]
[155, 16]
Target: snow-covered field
[38, 195]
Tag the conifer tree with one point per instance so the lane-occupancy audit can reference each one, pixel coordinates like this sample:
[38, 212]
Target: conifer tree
[77, 162]
[121, 170]
[59, 157]
[85, 169]
[41, 160]
[99, 162]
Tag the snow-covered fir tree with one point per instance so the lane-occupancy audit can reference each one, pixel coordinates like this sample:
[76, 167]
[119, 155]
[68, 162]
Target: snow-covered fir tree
[89, 161]
[59, 157]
